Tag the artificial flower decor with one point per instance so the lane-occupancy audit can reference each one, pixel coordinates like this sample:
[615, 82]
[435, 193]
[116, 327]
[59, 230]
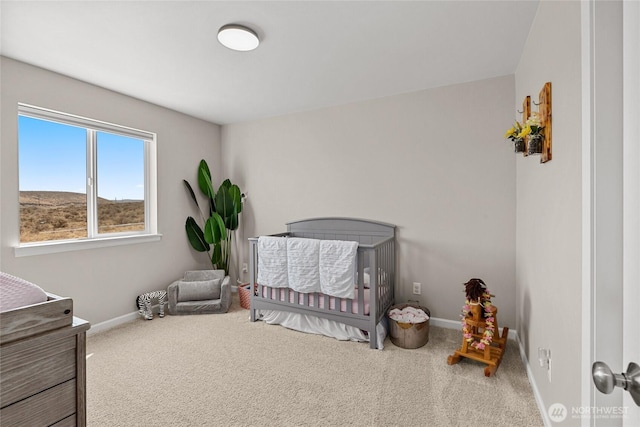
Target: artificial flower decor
[513, 135]
[534, 129]
[489, 330]
[533, 126]
[477, 293]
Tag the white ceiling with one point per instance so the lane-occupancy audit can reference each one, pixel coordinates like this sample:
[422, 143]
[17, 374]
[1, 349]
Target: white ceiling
[313, 54]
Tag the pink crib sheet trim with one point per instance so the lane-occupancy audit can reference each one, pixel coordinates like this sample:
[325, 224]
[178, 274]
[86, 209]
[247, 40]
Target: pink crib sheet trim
[321, 298]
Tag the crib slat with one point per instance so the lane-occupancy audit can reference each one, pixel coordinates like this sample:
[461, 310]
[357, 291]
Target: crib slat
[361, 282]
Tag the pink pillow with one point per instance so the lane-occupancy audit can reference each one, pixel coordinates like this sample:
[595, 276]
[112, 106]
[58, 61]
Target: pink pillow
[16, 292]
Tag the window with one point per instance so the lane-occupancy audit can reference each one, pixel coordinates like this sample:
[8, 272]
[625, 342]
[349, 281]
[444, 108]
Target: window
[83, 180]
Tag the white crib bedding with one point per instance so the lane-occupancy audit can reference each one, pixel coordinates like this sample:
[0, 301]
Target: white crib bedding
[320, 326]
[308, 265]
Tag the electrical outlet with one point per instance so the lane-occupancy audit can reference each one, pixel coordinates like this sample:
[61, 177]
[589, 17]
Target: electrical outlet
[244, 267]
[544, 357]
[417, 288]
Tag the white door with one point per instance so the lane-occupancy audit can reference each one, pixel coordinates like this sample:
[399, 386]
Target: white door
[631, 194]
[611, 213]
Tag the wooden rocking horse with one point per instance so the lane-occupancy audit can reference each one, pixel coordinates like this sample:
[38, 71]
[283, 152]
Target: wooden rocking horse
[480, 334]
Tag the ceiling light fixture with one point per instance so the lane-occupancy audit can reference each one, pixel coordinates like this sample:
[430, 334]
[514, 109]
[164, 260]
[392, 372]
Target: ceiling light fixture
[238, 37]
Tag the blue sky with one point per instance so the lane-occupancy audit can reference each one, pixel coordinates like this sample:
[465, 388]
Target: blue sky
[52, 157]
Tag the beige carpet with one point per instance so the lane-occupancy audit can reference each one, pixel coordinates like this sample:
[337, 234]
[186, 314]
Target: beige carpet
[223, 370]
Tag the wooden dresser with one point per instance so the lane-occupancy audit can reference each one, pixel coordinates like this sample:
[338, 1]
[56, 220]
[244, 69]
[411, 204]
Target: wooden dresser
[43, 365]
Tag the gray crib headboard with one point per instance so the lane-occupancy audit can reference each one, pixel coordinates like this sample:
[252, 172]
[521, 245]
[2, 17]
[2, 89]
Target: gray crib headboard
[358, 230]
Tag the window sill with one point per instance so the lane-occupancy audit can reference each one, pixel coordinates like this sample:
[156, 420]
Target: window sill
[42, 248]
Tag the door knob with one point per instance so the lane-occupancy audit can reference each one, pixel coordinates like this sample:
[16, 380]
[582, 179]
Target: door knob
[605, 380]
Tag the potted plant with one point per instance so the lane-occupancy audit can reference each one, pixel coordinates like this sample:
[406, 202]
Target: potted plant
[513, 134]
[220, 220]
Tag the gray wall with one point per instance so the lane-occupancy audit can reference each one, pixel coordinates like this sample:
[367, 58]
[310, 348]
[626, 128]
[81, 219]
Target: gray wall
[549, 212]
[432, 162]
[104, 282]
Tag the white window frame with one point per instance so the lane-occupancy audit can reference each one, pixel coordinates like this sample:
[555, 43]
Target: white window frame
[94, 239]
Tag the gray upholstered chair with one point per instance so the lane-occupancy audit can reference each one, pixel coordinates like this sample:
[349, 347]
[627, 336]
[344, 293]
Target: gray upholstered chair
[200, 292]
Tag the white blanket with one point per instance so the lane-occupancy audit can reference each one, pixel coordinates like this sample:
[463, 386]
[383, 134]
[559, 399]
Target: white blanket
[409, 315]
[272, 261]
[338, 267]
[303, 260]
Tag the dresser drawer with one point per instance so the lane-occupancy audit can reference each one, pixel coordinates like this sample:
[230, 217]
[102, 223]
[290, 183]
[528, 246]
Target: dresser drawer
[42, 409]
[67, 422]
[29, 370]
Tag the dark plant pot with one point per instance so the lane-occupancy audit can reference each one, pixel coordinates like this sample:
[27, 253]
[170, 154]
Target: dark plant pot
[535, 144]
[518, 145]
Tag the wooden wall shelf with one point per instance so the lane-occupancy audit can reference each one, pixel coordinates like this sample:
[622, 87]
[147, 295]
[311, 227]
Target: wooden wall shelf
[544, 113]
[544, 110]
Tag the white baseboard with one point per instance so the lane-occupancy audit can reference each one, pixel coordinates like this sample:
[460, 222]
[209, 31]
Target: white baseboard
[125, 318]
[536, 393]
[112, 323]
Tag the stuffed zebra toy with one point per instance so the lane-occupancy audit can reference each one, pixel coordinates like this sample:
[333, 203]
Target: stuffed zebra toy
[144, 303]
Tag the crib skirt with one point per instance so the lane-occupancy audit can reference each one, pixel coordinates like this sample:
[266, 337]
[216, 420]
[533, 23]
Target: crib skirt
[316, 325]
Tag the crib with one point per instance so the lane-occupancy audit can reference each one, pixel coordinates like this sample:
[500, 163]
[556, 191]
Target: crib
[374, 281]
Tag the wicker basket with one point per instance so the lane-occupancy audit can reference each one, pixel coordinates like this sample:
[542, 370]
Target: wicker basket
[244, 292]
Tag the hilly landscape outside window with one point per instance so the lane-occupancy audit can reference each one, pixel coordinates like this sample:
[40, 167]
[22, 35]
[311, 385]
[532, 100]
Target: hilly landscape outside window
[53, 200]
[80, 179]
[120, 183]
